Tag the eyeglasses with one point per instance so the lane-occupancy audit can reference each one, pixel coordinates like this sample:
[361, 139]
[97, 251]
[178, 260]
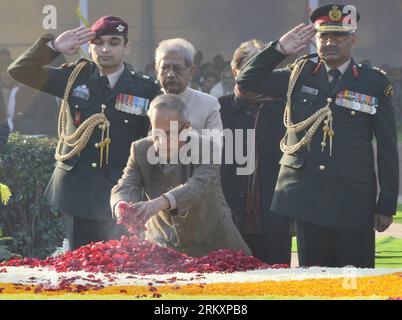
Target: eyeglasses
[178, 70]
[338, 36]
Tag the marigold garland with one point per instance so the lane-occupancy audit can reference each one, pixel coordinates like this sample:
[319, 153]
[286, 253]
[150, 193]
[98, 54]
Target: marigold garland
[389, 286]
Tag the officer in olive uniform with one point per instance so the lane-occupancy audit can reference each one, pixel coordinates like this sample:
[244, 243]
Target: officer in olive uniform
[105, 111]
[327, 180]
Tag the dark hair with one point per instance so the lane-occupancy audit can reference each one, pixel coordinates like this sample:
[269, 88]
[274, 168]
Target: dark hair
[218, 57]
[198, 57]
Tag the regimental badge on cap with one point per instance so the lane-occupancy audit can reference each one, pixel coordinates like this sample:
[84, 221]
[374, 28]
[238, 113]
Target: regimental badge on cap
[335, 14]
[120, 28]
[357, 101]
[132, 104]
[81, 92]
[389, 91]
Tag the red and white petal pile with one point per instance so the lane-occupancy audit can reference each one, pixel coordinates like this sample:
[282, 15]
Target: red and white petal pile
[130, 255]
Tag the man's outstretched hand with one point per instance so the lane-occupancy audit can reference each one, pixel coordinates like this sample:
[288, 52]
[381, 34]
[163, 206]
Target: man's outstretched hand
[296, 39]
[70, 41]
[135, 216]
[147, 209]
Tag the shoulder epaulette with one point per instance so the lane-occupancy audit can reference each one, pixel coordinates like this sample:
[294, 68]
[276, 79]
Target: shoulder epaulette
[389, 89]
[307, 56]
[74, 63]
[372, 68]
[145, 77]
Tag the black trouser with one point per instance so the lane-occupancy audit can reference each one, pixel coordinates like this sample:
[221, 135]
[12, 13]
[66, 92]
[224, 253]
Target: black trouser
[256, 244]
[277, 238]
[274, 245]
[327, 247]
[81, 232]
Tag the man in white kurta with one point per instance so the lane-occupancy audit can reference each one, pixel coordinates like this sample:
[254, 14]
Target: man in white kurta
[174, 68]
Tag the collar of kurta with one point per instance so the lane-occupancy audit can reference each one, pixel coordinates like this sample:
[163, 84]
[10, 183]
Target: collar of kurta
[184, 95]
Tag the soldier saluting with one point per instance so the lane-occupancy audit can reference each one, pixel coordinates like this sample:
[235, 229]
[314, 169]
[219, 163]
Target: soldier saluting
[335, 107]
[103, 111]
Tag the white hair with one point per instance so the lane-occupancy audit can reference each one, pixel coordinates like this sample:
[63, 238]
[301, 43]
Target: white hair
[175, 45]
[170, 102]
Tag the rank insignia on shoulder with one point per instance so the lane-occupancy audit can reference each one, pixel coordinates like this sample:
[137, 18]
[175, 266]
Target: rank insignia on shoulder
[357, 101]
[389, 91]
[81, 92]
[380, 71]
[68, 65]
[132, 104]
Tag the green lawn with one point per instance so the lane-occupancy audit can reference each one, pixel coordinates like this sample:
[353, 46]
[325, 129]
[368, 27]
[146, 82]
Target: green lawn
[398, 218]
[388, 252]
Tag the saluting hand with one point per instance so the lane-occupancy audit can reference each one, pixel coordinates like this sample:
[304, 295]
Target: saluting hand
[296, 39]
[382, 223]
[70, 41]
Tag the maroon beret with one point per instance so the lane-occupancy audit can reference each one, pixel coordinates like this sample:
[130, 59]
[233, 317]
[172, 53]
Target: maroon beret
[110, 25]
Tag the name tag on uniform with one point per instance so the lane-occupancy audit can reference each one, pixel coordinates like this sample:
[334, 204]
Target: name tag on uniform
[309, 90]
[357, 101]
[81, 92]
[132, 104]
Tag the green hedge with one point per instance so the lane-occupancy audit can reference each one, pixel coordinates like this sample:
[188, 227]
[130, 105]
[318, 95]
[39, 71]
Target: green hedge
[26, 165]
[5, 253]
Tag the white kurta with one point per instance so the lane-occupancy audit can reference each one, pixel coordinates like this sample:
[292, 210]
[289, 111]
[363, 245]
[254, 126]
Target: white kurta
[204, 110]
